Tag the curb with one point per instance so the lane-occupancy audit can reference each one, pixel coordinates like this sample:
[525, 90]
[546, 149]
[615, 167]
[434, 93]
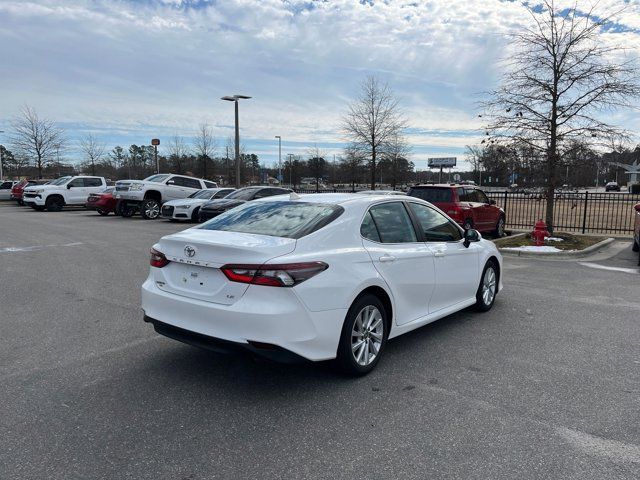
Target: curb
[572, 254]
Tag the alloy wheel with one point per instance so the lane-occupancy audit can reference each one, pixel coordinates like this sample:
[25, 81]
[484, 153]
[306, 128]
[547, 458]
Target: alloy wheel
[489, 286]
[151, 209]
[367, 335]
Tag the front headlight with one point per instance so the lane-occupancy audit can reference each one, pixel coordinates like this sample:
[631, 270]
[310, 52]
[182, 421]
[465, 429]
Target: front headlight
[40, 190]
[182, 206]
[135, 187]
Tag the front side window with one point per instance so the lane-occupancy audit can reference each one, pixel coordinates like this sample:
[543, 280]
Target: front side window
[202, 194]
[393, 223]
[187, 182]
[222, 193]
[482, 197]
[5, 186]
[435, 226]
[243, 194]
[78, 182]
[276, 219]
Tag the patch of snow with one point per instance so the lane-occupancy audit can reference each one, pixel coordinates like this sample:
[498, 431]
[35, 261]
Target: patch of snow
[533, 248]
[554, 239]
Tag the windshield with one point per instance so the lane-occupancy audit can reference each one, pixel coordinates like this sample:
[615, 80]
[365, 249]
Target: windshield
[276, 219]
[242, 194]
[60, 181]
[433, 195]
[156, 178]
[206, 194]
[109, 190]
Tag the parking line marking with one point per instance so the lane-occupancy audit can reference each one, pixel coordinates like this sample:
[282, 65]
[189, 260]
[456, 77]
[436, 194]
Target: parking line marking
[613, 269]
[36, 247]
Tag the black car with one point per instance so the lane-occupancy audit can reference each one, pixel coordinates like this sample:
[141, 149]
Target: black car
[612, 187]
[216, 207]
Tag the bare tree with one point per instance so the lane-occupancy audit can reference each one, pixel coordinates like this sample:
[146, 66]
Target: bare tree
[373, 120]
[178, 150]
[396, 148]
[93, 150]
[317, 163]
[205, 146]
[352, 162]
[36, 138]
[556, 83]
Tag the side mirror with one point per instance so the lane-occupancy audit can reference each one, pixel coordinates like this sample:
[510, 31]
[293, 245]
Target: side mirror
[471, 235]
[171, 182]
[69, 186]
[492, 202]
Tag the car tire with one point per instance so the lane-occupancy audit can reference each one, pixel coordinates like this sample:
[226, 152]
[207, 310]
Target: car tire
[38, 208]
[54, 204]
[468, 224]
[150, 209]
[20, 202]
[366, 322]
[104, 213]
[126, 211]
[488, 288]
[499, 231]
[195, 216]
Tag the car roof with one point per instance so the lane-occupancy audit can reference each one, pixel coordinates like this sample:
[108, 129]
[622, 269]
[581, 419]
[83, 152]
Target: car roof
[339, 198]
[443, 185]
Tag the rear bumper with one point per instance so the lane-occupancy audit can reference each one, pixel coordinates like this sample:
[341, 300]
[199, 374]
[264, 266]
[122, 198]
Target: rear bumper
[272, 352]
[262, 315]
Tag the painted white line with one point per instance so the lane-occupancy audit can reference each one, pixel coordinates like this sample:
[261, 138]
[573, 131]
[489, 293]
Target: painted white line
[36, 247]
[613, 269]
[601, 447]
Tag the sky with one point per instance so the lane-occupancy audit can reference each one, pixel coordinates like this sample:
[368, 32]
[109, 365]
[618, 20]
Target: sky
[127, 71]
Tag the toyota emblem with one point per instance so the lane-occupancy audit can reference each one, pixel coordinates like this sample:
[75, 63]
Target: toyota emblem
[189, 251]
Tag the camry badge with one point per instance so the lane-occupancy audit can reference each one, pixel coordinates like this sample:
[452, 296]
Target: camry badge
[189, 251]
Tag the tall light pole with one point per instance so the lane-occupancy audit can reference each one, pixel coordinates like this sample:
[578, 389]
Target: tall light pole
[1, 171]
[235, 98]
[279, 158]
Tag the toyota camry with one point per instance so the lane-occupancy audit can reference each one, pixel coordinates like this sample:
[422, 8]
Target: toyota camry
[321, 276]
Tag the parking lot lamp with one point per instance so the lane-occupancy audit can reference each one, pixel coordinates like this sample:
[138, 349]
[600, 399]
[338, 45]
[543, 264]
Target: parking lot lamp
[235, 98]
[279, 158]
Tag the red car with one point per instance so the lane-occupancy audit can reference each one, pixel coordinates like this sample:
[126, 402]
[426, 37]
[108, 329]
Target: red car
[18, 189]
[103, 202]
[636, 230]
[469, 206]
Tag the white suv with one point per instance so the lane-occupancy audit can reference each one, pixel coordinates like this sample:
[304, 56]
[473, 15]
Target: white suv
[62, 192]
[149, 194]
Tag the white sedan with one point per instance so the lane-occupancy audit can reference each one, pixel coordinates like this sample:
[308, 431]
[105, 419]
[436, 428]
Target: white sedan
[321, 276]
[188, 208]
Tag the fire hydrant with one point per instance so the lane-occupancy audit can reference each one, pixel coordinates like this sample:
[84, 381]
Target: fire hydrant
[539, 233]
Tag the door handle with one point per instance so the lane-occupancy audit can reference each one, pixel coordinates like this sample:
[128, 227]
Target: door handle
[387, 258]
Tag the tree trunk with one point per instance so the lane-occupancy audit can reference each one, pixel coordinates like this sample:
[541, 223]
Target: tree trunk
[373, 168]
[39, 168]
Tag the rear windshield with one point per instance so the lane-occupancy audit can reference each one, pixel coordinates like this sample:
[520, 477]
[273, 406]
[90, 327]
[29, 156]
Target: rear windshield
[433, 195]
[276, 219]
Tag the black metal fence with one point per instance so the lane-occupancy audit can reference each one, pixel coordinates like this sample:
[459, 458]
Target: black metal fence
[581, 212]
[573, 212]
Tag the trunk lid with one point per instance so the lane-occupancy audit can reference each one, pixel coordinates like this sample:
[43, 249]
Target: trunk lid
[196, 256]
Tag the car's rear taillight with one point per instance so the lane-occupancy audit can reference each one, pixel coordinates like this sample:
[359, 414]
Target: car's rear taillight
[280, 275]
[158, 259]
[454, 212]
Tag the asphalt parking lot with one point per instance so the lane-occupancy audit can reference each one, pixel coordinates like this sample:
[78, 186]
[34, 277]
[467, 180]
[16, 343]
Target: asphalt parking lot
[546, 385]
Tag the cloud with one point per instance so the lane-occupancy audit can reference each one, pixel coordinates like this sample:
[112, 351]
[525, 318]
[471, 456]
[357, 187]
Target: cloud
[129, 70]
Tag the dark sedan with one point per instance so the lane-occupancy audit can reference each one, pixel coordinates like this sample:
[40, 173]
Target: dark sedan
[216, 207]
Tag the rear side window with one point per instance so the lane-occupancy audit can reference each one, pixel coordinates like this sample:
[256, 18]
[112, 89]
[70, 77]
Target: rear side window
[433, 195]
[276, 219]
[92, 182]
[368, 229]
[210, 184]
[393, 223]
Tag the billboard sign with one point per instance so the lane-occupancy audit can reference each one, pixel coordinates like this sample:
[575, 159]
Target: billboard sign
[446, 162]
[155, 142]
